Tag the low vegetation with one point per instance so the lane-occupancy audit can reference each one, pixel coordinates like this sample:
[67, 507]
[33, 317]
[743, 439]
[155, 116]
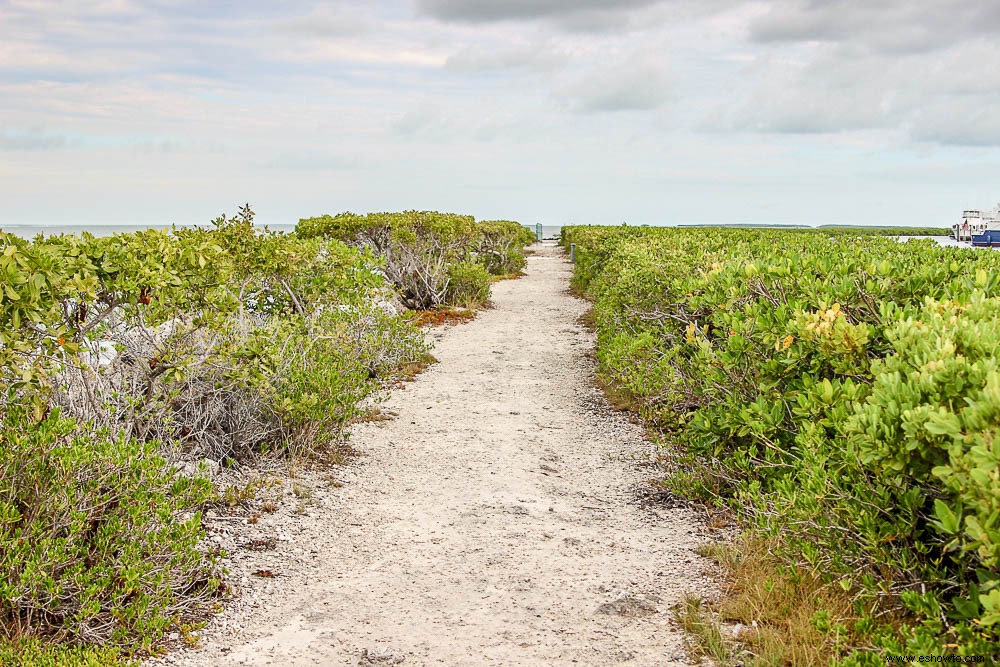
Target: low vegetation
[433, 259]
[35, 653]
[840, 230]
[839, 393]
[849, 230]
[131, 364]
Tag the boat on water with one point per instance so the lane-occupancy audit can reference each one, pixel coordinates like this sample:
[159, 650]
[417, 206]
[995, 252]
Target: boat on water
[989, 237]
[980, 228]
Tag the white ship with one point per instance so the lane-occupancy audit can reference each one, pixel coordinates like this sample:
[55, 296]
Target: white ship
[976, 223]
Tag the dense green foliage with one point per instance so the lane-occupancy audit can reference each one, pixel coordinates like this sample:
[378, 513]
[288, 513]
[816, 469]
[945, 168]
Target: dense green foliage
[849, 230]
[840, 392]
[840, 230]
[199, 336]
[98, 538]
[34, 653]
[500, 245]
[115, 352]
[468, 284]
[422, 249]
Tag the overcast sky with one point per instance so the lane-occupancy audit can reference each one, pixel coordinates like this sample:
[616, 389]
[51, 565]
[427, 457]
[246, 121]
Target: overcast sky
[551, 111]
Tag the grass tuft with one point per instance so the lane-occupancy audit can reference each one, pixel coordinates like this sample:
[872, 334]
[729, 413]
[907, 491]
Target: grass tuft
[769, 614]
[409, 371]
[704, 636]
[620, 399]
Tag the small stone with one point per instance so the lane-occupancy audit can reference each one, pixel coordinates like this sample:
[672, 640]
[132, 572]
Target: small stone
[628, 607]
[381, 655]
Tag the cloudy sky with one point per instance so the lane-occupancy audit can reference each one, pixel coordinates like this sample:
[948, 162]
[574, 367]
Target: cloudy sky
[552, 111]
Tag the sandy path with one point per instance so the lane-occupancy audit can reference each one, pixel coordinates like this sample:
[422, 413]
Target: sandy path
[494, 521]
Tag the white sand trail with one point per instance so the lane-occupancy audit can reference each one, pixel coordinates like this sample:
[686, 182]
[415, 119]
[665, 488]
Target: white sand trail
[493, 522]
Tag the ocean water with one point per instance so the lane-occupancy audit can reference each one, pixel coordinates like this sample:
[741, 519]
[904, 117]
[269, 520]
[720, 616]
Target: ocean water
[548, 231]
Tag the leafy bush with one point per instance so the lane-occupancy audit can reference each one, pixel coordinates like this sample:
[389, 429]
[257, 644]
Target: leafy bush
[420, 248]
[927, 433]
[98, 538]
[837, 393]
[215, 342]
[179, 336]
[501, 244]
[34, 653]
[331, 363]
[468, 285]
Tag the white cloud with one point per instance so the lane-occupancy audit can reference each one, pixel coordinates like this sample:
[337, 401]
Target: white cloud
[521, 57]
[638, 83]
[590, 110]
[961, 122]
[928, 72]
[490, 10]
[324, 22]
[418, 121]
[889, 25]
[33, 139]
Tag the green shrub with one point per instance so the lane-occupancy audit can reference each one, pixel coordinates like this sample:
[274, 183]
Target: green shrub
[468, 285]
[422, 248]
[500, 247]
[837, 393]
[329, 364]
[196, 322]
[928, 435]
[417, 246]
[98, 538]
[218, 342]
[33, 653]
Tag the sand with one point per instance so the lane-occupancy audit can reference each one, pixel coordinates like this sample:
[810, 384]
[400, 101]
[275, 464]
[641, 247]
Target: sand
[496, 519]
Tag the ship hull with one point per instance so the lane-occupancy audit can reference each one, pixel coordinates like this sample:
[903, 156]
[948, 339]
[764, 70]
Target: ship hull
[989, 239]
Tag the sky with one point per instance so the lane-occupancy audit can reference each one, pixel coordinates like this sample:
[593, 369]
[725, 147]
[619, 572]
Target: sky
[542, 111]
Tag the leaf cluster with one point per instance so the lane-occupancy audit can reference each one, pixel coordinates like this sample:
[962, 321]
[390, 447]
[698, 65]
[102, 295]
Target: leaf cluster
[424, 251]
[121, 356]
[837, 392]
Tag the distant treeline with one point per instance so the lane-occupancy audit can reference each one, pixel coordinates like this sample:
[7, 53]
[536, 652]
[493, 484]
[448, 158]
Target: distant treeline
[855, 230]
